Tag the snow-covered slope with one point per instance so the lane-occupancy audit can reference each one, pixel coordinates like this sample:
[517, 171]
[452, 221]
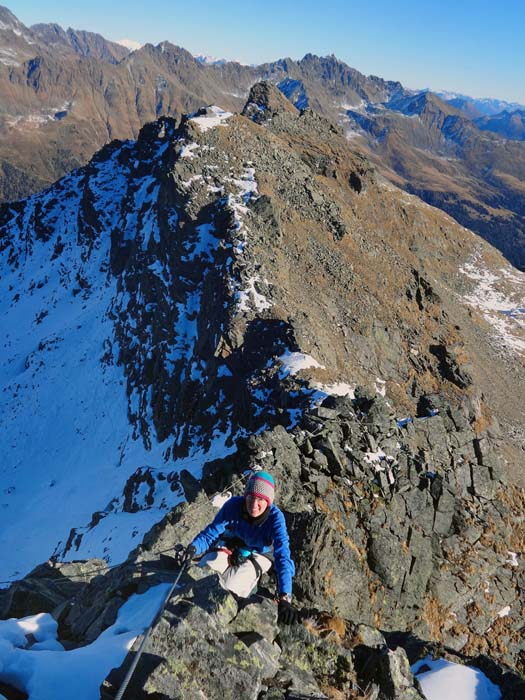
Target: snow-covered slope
[123, 290]
[64, 404]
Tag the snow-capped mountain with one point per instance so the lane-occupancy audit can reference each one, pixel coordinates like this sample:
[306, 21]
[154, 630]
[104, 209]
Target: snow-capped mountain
[210, 60]
[479, 106]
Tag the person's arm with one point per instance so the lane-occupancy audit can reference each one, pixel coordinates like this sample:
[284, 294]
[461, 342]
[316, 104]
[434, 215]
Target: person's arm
[213, 531]
[284, 566]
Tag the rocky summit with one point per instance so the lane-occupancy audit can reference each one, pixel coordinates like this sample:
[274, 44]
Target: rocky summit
[244, 290]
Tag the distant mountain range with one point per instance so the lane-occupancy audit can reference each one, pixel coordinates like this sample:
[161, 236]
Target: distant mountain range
[64, 94]
[511, 125]
[478, 106]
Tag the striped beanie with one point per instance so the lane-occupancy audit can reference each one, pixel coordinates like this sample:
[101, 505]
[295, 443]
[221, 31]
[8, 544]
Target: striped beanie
[262, 485]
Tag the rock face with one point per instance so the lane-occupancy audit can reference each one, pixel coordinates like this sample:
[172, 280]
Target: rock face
[265, 102]
[209, 645]
[235, 269]
[397, 539]
[234, 275]
[408, 514]
[82, 43]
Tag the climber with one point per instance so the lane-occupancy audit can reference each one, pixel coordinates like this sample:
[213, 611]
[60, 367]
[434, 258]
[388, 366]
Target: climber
[237, 543]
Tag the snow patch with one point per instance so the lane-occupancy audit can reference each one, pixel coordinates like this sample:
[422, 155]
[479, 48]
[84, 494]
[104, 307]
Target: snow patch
[373, 457]
[337, 389]
[192, 179]
[446, 679]
[380, 387]
[43, 668]
[220, 499]
[206, 122]
[188, 150]
[501, 299]
[250, 297]
[294, 362]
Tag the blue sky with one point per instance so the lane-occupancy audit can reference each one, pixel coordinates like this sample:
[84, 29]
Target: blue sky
[474, 47]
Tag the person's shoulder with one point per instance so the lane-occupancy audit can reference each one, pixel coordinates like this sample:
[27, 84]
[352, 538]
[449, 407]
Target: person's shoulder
[276, 513]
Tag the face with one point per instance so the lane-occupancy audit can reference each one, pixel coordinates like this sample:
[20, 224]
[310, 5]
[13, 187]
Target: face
[255, 506]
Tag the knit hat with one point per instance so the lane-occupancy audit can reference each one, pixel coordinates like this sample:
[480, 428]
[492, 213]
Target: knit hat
[261, 485]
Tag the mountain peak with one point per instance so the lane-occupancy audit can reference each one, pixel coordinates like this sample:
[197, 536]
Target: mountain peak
[82, 43]
[420, 103]
[265, 101]
[8, 19]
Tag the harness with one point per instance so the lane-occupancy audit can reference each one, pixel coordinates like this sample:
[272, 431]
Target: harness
[234, 545]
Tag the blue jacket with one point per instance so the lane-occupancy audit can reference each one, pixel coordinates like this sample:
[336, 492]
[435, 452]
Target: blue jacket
[231, 521]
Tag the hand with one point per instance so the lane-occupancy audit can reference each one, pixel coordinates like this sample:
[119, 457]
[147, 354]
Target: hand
[184, 554]
[287, 614]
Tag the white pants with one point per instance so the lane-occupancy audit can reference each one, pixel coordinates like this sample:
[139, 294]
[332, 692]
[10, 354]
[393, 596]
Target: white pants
[240, 580]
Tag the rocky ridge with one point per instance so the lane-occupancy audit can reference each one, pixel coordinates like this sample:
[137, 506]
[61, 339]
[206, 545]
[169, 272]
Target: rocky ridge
[390, 547]
[511, 125]
[233, 277]
[431, 149]
[198, 248]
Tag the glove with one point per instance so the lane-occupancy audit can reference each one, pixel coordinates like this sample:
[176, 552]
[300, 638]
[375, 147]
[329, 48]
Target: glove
[287, 614]
[184, 554]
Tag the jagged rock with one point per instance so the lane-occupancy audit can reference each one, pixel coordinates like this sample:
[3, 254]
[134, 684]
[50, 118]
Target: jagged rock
[190, 485]
[395, 677]
[210, 597]
[264, 208]
[363, 397]
[387, 670]
[450, 366]
[378, 417]
[330, 570]
[369, 637]
[225, 669]
[342, 405]
[296, 676]
[327, 413]
[265, 101]
[48, 587]
[268, 653]
[385, 558]
[257, 616]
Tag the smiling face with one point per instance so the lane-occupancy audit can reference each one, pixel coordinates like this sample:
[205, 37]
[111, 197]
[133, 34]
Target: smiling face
[255, 505]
